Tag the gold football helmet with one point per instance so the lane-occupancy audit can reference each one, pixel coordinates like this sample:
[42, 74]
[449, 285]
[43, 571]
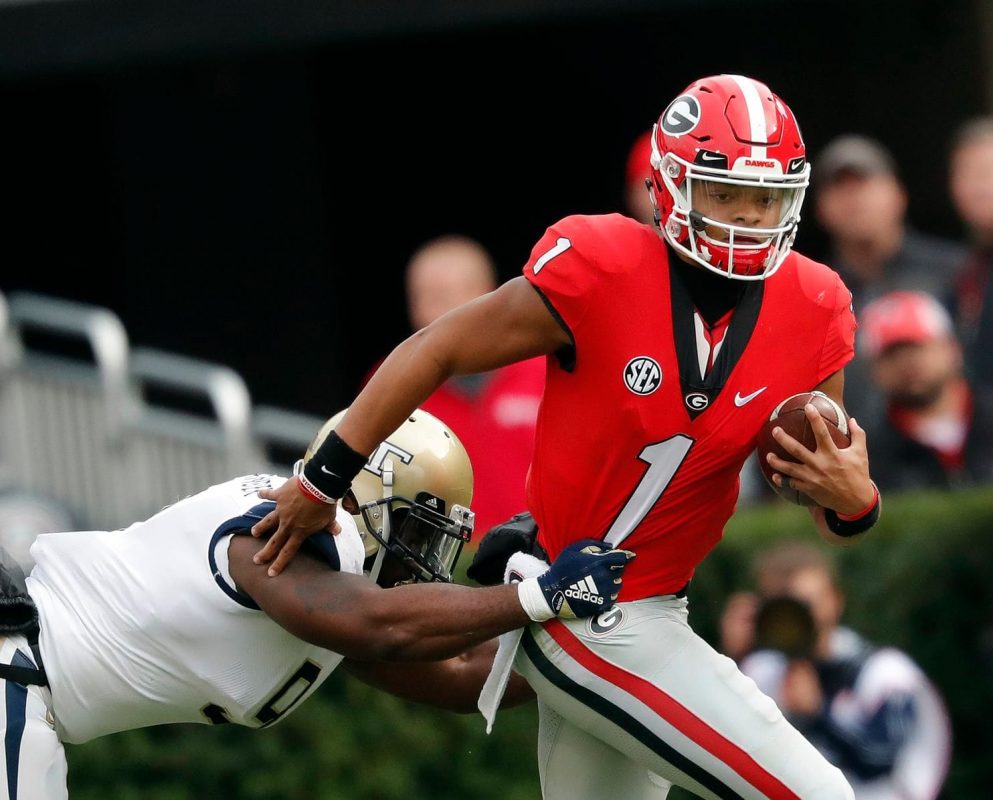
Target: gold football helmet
[412, 496]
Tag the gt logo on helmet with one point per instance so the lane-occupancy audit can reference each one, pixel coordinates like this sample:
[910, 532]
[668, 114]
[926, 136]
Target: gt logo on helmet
[375, 463]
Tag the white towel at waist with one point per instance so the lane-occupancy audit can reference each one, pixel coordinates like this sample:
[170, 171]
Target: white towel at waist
[519, 567]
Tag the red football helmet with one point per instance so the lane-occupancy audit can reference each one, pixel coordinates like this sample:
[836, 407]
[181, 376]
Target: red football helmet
[725, 138]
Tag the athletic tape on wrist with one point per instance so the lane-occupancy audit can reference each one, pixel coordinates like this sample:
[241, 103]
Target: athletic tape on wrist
[533, 600]
[331, 469]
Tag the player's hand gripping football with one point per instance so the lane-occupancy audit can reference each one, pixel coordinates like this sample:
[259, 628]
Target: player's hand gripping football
[585, 579]
[295, 517]
[834, 477]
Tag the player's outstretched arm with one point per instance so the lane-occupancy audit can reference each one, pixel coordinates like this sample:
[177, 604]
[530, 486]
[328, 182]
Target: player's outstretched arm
[453, 684]
[507, 325]
[351, 615]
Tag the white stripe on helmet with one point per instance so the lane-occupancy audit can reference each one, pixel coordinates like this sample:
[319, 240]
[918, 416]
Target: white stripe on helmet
[756, 113]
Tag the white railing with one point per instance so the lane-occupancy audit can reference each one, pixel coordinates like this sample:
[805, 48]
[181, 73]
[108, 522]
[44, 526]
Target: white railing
[107, 433]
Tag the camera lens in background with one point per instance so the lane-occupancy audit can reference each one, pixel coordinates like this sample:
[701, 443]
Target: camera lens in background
[785, 624]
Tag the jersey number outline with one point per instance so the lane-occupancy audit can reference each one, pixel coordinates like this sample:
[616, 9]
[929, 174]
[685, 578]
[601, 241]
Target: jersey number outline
[278, 703]
[664, 459]
[560, 247]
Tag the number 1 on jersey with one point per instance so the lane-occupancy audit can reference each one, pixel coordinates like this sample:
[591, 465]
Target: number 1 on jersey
[561, 246]
[663, 459]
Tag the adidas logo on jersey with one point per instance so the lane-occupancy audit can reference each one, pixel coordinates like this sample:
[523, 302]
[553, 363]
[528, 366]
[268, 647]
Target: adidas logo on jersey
[586, 591]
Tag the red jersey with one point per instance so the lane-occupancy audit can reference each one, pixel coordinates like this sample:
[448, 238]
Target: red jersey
[646, 422]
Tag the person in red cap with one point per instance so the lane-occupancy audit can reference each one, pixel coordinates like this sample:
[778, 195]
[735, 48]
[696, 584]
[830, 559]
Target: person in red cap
[862, 204]
[935, 430]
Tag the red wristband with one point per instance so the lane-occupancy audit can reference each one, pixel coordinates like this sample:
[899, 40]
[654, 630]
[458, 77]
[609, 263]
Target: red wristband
[311, 492]
[864, 511]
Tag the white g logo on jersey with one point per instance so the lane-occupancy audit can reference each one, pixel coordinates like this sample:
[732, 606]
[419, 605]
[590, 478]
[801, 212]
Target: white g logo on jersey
[642, 375]
[698, 401]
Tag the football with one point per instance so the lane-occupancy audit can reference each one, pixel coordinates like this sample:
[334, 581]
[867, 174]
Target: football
[789, 415]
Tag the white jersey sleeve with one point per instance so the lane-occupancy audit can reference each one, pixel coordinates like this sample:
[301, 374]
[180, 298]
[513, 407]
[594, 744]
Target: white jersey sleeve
[144, 626]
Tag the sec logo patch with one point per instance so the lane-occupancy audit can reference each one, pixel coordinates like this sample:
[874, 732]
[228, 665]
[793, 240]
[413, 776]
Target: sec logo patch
[642, 375]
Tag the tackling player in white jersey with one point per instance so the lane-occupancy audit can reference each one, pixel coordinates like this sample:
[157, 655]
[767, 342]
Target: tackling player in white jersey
[170, 620]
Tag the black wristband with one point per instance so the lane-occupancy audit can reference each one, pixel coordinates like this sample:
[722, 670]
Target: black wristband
[333, 466]
[846, 528]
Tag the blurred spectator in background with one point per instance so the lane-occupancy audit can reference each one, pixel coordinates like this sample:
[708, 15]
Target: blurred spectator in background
[862, 205]
[935, 430]
[637, 200]
[493, 413]
[971, 188]
[736, 627]
[870, 710]
[445, 273]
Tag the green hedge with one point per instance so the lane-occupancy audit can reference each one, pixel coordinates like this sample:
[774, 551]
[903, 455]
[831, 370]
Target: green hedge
[923, 581]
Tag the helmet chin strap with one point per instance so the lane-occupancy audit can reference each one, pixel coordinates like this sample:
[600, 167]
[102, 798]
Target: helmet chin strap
[656, 214]
[377, 565]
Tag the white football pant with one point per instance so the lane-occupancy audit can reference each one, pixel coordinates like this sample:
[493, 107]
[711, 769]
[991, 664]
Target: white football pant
[32, 759]
[634, 700]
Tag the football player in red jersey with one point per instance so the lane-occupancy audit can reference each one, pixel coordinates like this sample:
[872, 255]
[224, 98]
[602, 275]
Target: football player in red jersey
[668, 347]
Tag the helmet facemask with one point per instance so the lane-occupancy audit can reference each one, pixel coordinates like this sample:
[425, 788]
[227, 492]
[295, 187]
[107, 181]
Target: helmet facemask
[417, 533]
[732, 250]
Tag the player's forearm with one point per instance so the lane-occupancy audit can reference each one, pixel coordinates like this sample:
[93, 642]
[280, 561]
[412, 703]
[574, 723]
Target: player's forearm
[432, 683]
[453, 684]
[408, 376]
[436, 621]
[829, 536]
[352, 616]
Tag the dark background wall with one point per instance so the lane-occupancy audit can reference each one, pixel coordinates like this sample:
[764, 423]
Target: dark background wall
[253, 200]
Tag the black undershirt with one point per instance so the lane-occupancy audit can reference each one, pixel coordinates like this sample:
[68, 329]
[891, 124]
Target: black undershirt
[696, 289]
[712, 294]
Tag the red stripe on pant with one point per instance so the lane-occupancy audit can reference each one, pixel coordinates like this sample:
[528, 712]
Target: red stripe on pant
[672, 712]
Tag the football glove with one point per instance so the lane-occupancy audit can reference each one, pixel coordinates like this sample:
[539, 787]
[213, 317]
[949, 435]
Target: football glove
[516, 535]
[583, 581]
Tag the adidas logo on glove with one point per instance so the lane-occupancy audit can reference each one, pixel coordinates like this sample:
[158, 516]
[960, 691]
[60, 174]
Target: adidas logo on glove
[569, 587]
[586, 591]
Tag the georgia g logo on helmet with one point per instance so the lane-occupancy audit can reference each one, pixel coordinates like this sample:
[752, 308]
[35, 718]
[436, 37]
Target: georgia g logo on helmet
[682, 115]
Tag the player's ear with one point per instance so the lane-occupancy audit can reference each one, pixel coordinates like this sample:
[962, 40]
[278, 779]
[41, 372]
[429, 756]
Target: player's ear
[349, 503]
